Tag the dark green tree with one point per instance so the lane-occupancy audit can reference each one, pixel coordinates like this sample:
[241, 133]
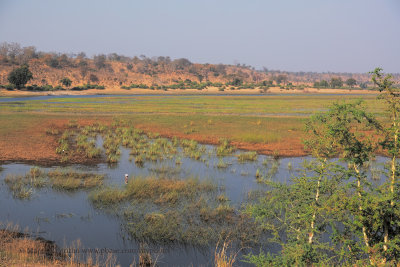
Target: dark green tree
[66, 82]
[281, 78]
[323, 83]
[351, 82]
[336, 82]
[20, 76]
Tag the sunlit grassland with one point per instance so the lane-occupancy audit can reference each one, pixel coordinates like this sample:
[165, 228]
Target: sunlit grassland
[248, 119]
[29, 125]
[236, 128]
[243, 105]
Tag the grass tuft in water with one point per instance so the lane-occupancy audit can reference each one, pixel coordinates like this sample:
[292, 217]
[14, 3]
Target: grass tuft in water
[23, 186]
[71, 180]
[225, 148]
[107, 196]
[221, 164]
[247, 156]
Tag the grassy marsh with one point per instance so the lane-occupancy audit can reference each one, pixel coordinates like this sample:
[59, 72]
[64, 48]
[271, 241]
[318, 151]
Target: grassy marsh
[158, 190]
[171, 210]
[23, 186]
[263, 123]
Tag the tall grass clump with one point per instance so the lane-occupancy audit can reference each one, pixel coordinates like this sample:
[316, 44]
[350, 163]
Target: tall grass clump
[222, 256]
[22, 186]
[225, 148]
[221, 164]
[247, 156]
[274, 169]
[158, 190]
[107, 196]
[164, 190]
[18, 186]
[70, 180]
[52, 131]
[19, 248]
[88, 146]
[63, 146]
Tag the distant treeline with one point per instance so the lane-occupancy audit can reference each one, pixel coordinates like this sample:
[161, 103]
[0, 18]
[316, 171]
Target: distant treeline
[161, 72]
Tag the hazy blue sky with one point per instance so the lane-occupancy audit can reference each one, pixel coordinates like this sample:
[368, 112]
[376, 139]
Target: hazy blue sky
[293, 35]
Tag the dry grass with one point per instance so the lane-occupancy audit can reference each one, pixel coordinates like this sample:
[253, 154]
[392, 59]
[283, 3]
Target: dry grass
[19, 249]
[223, 256]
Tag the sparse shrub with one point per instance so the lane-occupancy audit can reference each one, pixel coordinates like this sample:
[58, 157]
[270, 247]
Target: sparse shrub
[93, 78]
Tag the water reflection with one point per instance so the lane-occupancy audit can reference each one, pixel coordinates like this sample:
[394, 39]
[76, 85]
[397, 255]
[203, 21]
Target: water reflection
[65, 218]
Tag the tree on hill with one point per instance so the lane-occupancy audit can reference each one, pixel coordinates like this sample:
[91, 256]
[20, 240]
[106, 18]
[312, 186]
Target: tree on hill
[181, 63]
[100, 61]
[281, 79]
[20, 76]
[66, 82]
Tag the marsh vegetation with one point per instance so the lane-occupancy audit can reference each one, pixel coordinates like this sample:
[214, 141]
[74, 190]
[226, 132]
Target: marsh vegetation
[333, 214]
[338, 207]
[23, 186]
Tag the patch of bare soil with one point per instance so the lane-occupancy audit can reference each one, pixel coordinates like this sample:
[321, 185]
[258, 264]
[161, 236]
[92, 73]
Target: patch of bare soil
[35, 146]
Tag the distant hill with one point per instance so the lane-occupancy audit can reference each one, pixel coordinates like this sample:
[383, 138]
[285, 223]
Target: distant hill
[114, 71]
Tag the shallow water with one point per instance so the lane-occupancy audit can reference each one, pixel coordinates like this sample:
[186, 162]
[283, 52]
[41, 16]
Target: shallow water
[47, 97]
[66, 218]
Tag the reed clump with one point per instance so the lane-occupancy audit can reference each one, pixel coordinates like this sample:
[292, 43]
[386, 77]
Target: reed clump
[223, 255]
[87, 145]
[107, 196]
[70, 180]
[52, 131]
[221, 164]
[23, 186]
[163, 189]
[156, 190]
[247, 156]
[225, 148]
